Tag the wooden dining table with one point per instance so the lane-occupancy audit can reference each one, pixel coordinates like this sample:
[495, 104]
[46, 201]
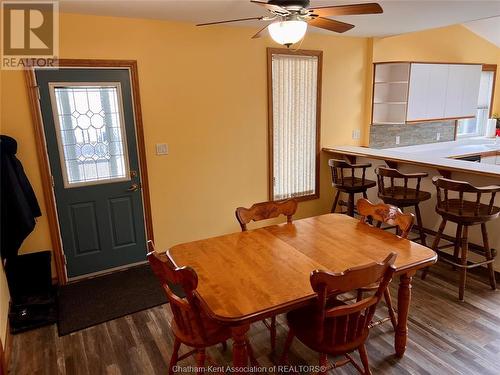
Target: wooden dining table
[248, 276]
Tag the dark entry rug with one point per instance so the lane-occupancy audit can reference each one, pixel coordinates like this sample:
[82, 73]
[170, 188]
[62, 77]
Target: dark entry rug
[89, 302]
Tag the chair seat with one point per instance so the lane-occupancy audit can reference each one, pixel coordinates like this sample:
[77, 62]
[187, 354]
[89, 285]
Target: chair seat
[306, 322]
[214, 333]
[355, 185]
[468, 213]
[401, 197]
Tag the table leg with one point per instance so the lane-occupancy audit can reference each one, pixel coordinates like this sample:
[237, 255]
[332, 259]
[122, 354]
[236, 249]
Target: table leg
[240, 354]
[404, 297]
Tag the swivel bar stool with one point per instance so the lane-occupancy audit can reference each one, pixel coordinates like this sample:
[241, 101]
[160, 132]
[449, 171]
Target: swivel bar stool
[344, 180]
[397, 192]
[452, 206]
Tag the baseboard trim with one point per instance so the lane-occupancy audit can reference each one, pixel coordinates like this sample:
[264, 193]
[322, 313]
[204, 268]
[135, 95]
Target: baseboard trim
[5, 352]
[3, 367]
[8, 348]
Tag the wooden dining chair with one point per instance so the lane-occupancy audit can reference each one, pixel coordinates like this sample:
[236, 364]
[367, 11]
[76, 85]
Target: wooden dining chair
[334, 327]
[190, 325]
[384, 214]
[264, 211]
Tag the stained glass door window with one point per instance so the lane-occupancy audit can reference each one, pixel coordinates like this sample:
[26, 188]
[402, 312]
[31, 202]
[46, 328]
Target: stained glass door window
[90, 133]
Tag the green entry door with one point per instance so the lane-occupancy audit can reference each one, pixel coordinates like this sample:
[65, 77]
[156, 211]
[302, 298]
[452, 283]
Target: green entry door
[89, 127]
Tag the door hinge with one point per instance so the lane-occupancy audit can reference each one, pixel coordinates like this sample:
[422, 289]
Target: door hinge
[65, 260]
[53, 181]
[37, 89]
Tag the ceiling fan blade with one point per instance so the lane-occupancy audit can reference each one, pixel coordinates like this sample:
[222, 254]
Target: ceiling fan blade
[272, 7]
[260, 32]
[228, 21]
[346, 10]
[331, 25]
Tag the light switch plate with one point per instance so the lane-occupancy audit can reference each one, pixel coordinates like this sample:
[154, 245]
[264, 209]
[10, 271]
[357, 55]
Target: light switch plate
[161, 149]
[398, 139]
[438, 136]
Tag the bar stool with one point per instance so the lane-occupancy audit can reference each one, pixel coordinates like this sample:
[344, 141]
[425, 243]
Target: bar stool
[347, 182]
[465, 213]
[399, 194]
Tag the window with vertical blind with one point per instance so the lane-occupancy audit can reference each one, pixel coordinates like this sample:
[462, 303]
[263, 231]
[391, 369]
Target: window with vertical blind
[475, 127]
[294, 81]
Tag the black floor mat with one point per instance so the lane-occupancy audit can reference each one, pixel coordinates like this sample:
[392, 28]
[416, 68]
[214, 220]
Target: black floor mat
[89, 302]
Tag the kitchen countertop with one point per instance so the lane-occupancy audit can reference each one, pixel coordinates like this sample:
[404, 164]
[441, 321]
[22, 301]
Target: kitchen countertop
[435, 155]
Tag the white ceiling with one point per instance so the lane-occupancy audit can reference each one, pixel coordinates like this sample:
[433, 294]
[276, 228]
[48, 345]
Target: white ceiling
[400, 16]
[488, 28]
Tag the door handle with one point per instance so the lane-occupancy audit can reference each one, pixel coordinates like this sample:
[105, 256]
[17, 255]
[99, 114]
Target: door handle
[133, 187]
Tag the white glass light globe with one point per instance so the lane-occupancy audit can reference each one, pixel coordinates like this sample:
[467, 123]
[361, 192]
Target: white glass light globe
[287, 32]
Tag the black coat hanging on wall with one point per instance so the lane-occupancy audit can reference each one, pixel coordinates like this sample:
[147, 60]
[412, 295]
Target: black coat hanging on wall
[18, 204]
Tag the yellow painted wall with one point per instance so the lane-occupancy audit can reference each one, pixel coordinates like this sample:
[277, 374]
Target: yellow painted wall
[204, 92]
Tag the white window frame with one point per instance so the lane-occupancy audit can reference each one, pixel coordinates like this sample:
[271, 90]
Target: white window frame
[480, 131]
[296, 195]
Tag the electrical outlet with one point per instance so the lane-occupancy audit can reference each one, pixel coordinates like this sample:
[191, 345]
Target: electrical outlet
[356, 134]
[398, 139]
[161, 149]
[438, 136]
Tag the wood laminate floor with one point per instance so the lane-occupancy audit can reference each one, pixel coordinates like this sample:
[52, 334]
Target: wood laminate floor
[446, 337]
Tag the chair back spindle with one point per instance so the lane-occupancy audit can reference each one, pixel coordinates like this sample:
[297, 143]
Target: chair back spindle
[346, 325]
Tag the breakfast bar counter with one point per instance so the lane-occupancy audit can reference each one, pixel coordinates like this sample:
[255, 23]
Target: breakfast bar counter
[440, 156]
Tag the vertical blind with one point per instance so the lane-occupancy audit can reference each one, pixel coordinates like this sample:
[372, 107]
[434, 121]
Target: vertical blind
[294, 94]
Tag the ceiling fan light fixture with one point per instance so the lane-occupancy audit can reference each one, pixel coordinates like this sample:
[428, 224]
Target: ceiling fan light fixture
[287, 32]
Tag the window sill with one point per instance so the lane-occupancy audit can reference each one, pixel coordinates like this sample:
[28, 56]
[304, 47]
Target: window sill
[301, 198]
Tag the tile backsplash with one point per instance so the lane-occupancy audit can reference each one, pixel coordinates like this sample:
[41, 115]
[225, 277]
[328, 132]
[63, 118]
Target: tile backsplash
[384, 136]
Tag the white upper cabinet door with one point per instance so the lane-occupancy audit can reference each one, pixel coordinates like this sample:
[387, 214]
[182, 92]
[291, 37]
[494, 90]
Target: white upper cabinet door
[454, 92]
[462, 93]
[470, 97]
[418, 92]
[437, 87]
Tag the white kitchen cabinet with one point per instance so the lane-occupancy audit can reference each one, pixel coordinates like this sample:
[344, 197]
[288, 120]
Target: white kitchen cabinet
[437, 91]
[463, 91]
[453, 105]
[489, 159]
[390, 93]
[419, 87]
[416, 92]
[427, 94]
[471, 81]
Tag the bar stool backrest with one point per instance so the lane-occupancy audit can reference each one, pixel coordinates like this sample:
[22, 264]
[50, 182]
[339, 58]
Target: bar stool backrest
[458, 191]
[344, 173]
[389, 178]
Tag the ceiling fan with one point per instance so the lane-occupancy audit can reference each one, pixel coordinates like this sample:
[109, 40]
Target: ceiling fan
[287, 20]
